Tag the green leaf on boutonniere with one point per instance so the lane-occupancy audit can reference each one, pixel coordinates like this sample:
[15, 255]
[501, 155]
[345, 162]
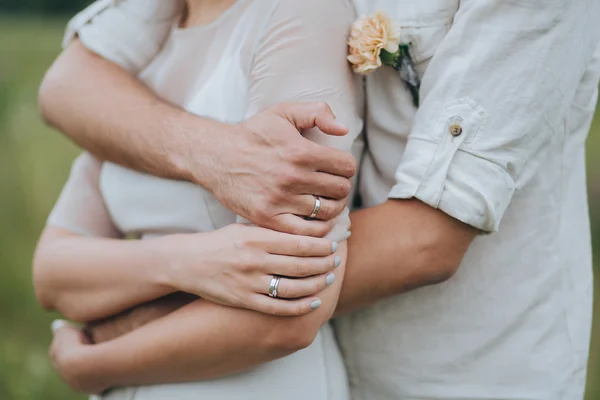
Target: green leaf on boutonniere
[387, 58]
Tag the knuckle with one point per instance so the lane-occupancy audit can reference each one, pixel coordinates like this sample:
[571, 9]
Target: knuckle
[322, 229]
[263, 214]
[235, 299]
[319, 285]
[301, 269]
[351, 166]
[296, 230]
[274, 198]
[284, 178]
[295, 154]
[303, 248]
[343, 188]
[322, 107]
[247, 262]
[283, 291]
[339, 206]
[273, 308]
[292, 229]
[298, 309]
[327, 264]
[325, 211]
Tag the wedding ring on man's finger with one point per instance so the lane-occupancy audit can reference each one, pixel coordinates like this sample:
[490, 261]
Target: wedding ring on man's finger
[274, 285]
[316, 208]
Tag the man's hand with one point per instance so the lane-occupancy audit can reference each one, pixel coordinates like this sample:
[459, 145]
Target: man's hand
[265, 171]
[118, 325]
[262, 169]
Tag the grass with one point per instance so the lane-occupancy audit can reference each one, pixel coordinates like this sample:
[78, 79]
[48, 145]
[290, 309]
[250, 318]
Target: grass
[34, 163]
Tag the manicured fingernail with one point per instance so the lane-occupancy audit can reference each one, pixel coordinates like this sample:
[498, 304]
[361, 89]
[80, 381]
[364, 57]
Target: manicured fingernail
[57, 324]
[330, 278]
[315, 304]
[337, 260]
[334, 247]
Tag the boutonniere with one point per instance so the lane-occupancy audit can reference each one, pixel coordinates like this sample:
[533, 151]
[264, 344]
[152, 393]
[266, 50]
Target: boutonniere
[375, 41]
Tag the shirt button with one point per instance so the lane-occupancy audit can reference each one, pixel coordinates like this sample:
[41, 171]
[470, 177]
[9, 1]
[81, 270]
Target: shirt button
[455, 130]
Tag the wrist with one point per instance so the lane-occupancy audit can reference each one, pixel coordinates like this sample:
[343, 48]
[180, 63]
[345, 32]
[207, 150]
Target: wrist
[176, 261]
[160, 258]
[191, 148]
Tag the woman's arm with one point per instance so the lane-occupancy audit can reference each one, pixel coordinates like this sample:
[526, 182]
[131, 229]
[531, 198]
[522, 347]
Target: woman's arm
[84, 270]
[203, 346]
[202, 340]
[82, 267]
[89, 278]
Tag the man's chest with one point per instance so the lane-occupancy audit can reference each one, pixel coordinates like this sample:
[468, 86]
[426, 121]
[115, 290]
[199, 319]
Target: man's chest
[423, 25]
[411, 12]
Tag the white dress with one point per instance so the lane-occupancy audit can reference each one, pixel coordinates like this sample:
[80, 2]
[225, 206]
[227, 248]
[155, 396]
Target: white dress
[255, 54]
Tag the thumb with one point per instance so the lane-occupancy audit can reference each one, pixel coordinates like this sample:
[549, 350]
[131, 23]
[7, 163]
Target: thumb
[64, 331]
[58, 324]
[310, 115]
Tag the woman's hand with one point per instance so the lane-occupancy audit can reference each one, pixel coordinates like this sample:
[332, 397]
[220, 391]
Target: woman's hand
[69, 353]
[234, 266]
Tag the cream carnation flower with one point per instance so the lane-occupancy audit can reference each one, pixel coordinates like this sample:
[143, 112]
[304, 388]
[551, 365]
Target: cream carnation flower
[369, 35]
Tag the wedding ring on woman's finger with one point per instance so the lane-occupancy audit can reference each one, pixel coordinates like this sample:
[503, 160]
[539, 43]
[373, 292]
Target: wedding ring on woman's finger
[316, 208]
[274, 285]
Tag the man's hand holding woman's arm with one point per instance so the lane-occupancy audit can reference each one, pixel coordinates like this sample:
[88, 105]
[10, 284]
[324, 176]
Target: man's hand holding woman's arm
[117, 118]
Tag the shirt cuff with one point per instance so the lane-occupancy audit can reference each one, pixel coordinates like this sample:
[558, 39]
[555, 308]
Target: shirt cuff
[439, 169]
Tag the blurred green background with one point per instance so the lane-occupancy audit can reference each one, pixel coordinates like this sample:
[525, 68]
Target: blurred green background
[34, 163]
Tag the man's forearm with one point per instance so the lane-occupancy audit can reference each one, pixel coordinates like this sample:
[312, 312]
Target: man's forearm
[399, 246]
[117, 118]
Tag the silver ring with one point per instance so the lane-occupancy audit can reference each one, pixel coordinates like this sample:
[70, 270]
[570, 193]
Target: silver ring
[316, 209]
[274, 285]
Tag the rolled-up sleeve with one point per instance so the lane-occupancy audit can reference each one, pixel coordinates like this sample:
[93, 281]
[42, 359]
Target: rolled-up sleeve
[126, 32]
[495, 97]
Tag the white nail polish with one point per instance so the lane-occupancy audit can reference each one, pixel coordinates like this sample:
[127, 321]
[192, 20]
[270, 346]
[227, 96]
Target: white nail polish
[334, 247]
[315, 304]
[337, 261]
[329, 279]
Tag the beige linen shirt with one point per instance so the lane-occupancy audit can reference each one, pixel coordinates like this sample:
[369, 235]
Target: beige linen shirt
[520, 79]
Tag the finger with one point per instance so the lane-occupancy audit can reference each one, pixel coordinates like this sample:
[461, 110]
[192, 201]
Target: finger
[283, 308]
[65, 336]
[58, 324]
[307, 204]
[64, 331]
[299, 267]
[296, 288]
[286, 244]
[324, 185]
[310, 115]
[333, 161]
[295, 225]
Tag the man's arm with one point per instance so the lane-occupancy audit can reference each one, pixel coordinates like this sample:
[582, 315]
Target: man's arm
[117, 118]
[399, 246]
